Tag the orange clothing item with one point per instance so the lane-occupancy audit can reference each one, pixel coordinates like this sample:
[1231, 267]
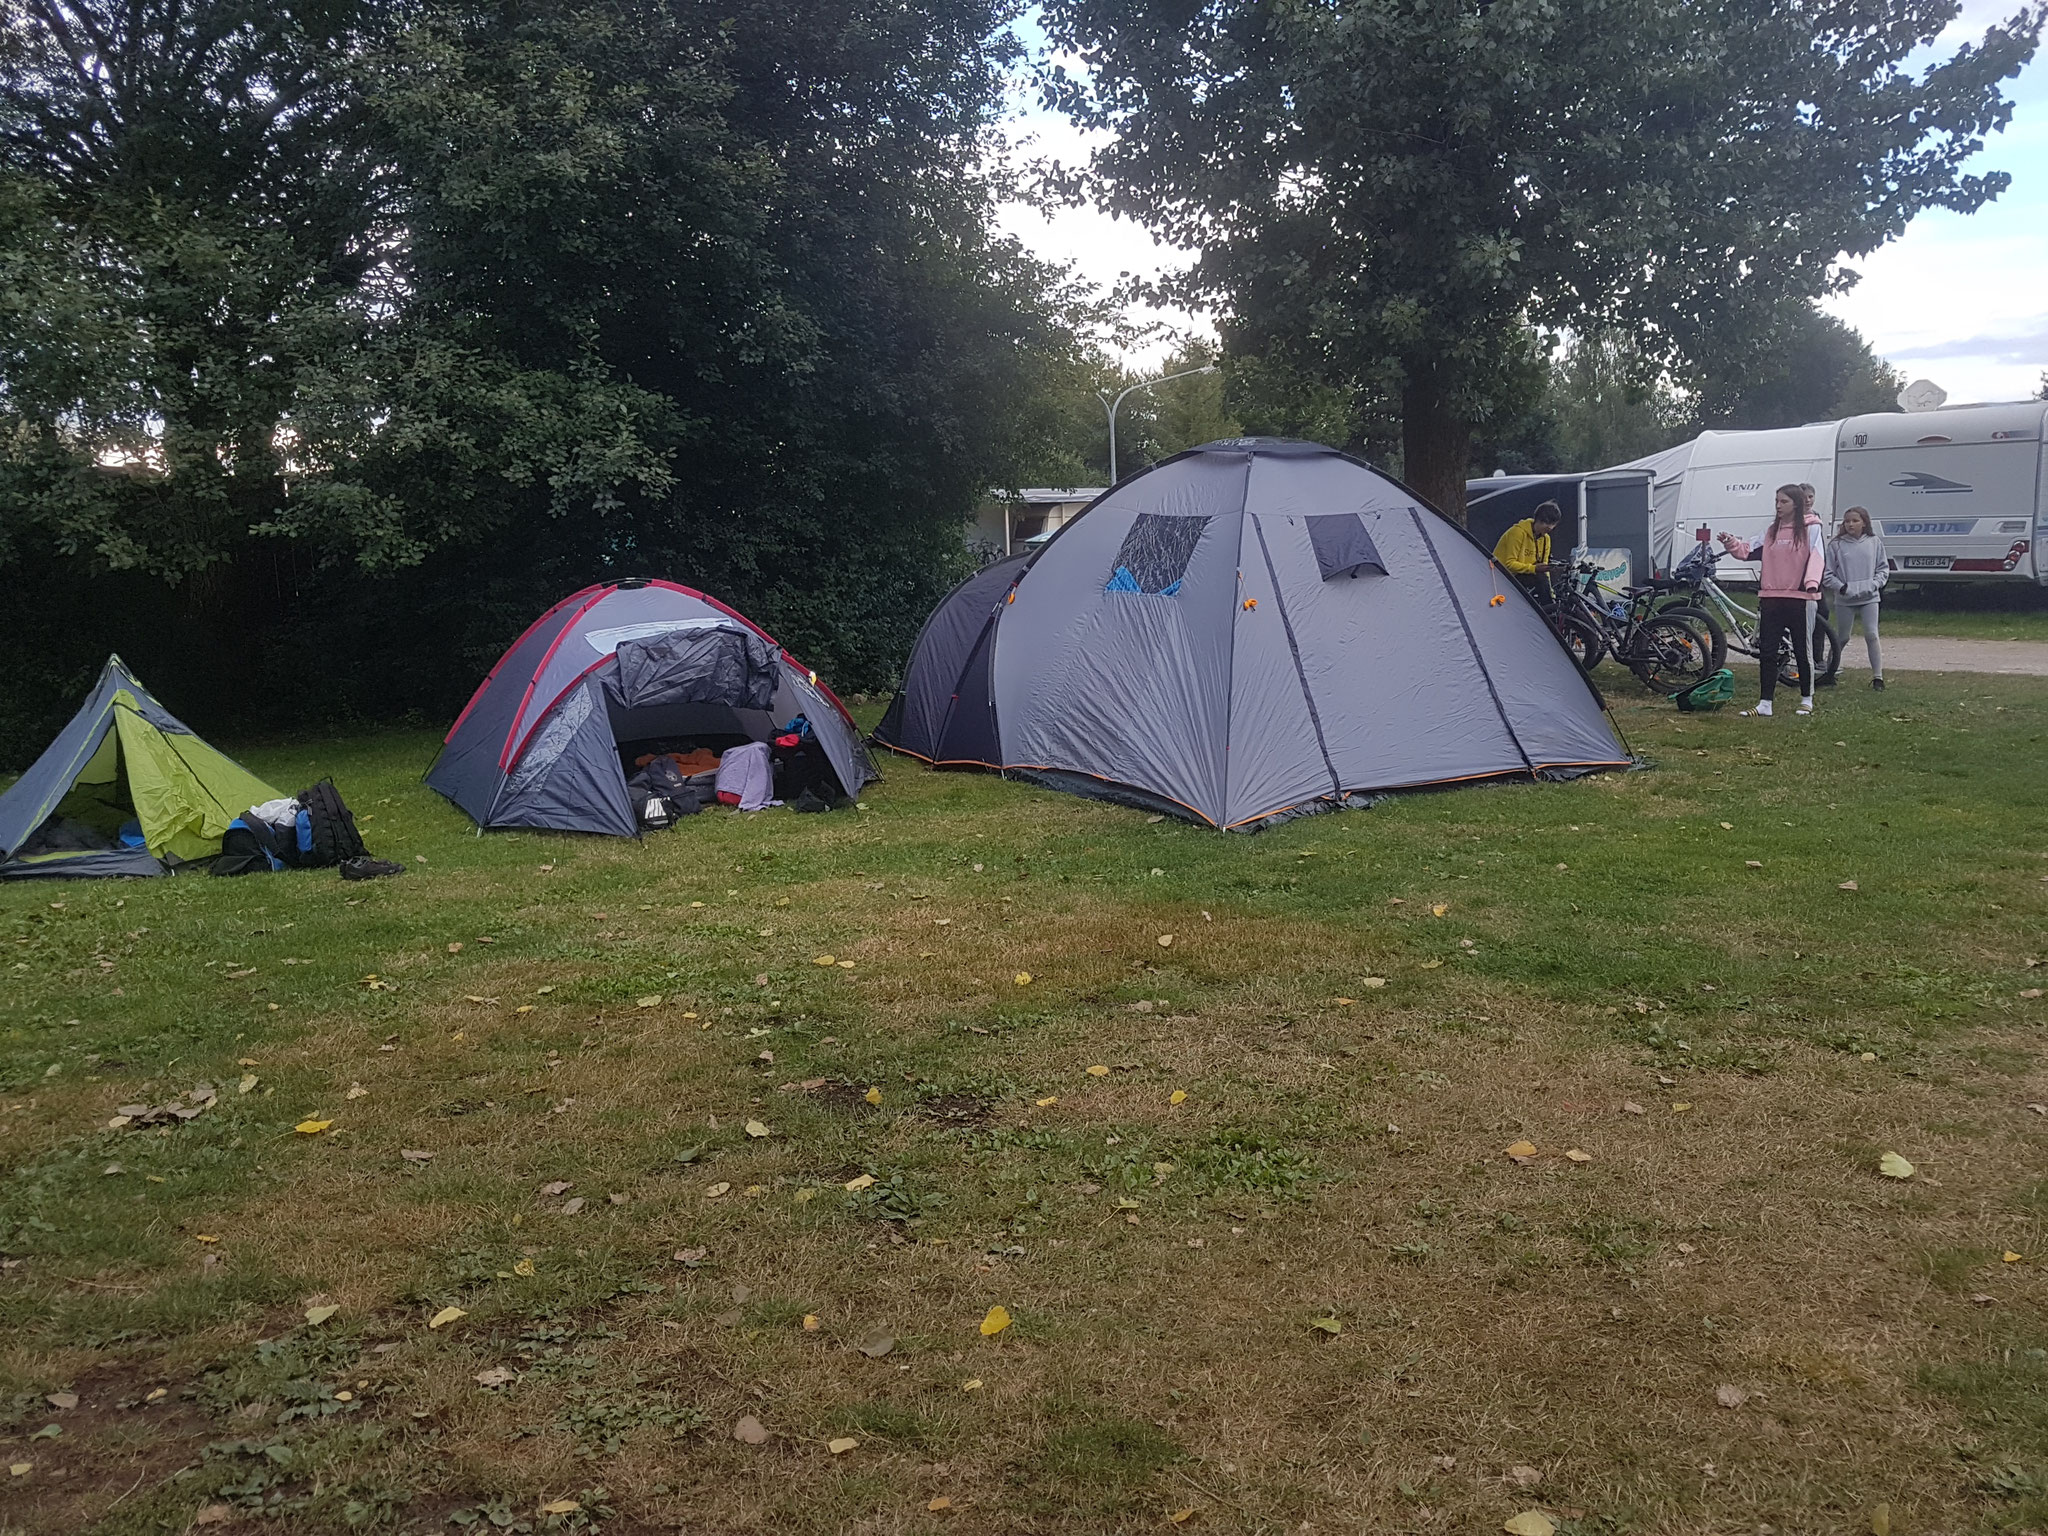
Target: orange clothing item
[688, 764]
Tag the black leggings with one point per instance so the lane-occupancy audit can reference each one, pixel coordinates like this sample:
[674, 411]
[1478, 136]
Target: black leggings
[1782, 616]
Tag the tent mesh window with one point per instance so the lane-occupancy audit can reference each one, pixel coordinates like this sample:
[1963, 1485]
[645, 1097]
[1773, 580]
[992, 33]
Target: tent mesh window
[1343, 547]
[553, 740]
[1155, 553]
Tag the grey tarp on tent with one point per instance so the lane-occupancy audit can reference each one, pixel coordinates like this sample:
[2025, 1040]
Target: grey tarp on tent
[716, 664]
[1205, 637]
[537, 745]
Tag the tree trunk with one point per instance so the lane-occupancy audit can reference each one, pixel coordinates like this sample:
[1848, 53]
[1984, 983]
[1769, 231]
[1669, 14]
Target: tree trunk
[1436, 443]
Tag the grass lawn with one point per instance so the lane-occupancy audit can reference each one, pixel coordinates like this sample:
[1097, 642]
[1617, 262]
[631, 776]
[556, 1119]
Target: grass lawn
[1245, 1196]
[1968, 613]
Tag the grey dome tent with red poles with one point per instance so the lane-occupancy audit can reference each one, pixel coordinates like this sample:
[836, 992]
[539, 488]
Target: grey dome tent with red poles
[538, 744]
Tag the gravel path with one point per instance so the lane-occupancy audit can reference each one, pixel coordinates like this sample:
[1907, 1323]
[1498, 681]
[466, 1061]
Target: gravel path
[1923, 653]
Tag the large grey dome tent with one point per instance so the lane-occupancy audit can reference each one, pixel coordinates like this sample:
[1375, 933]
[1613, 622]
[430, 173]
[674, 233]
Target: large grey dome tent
[538, 744]
[1250, 630]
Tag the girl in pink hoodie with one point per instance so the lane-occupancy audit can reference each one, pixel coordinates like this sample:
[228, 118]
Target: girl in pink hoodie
[1792, 559]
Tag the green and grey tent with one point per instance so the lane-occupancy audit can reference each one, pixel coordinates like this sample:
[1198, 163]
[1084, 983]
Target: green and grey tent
[123, 759]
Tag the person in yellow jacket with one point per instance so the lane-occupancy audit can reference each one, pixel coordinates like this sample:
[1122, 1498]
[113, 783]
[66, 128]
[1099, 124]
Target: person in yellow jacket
[1524, 550]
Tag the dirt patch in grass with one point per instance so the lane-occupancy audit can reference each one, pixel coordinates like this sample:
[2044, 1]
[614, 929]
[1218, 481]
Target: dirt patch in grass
[112, 1445]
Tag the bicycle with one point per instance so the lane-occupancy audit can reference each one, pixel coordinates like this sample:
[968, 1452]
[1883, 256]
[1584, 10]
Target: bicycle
[1668, 648]
[1743, 627]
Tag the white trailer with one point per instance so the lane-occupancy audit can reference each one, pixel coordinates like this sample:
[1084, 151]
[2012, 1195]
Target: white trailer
[1727, 482]
[1958, 492]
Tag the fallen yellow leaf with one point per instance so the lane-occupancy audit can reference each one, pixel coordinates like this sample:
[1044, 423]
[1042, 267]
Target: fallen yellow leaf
[205, 1237]
[997, 1320]
[248, 1082]
[445, 1316]
[1374, 981]
[1178, 1096]
[860, 1181]
[756, 1129]
[873, 1096]
[941, 1502]
[560, 1507]
[1048, 1101]
[1181, 1516]
[716, 1190]
[826, 960]
[1023, 978]
[1098, 1071]
[1893, 1166]
[319, 1315]
[312, 1127]
[810, 1322]
[1166, 941]
[1679, 1109]
[973, 1384]
[1579, 1157]
[1346, 1002]
[1440, 909]
[651, 1000]
[1522, 1151]
[1530, 1522]
[842, 1445]
[2011, 1257]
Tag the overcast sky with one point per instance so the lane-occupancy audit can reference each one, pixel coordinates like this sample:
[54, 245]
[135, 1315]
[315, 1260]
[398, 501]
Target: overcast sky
[1960, 300]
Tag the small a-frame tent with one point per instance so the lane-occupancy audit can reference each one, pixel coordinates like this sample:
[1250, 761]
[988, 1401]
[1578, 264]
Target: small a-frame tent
[1252, 630]
[538, 745]
[123, 757]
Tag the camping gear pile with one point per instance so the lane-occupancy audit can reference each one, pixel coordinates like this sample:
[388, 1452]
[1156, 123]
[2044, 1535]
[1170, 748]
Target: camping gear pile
[1249, 631]
[127, 788]
[635, 703]
[313, 830]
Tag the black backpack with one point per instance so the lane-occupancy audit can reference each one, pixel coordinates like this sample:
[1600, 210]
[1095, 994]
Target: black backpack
[335, 839]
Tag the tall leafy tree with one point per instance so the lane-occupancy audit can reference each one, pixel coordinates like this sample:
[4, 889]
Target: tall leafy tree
[341, 334]
[1817, 368]
[1407, 190]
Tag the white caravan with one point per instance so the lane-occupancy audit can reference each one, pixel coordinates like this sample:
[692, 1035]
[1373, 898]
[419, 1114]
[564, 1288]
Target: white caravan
[1958, 492]
[1727, 482]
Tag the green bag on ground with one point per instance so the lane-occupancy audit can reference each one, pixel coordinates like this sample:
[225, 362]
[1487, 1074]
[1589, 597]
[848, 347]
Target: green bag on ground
[1708, 693]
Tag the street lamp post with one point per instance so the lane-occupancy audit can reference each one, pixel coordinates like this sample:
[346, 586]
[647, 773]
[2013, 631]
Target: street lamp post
[1110, 405]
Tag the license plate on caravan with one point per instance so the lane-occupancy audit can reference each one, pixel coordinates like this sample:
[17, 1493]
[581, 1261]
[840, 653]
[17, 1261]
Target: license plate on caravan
[1926, 562]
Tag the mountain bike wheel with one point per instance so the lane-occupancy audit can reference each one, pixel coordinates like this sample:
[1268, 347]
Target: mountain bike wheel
[1669, 654]
[1583, 640]
[1708, 627]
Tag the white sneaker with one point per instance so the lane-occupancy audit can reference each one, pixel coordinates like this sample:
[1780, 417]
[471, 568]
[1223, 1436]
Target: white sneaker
[1805, 706]
[1763, 707]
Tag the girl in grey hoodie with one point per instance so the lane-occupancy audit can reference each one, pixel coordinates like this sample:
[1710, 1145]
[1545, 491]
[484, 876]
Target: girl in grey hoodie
[1855, 573]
